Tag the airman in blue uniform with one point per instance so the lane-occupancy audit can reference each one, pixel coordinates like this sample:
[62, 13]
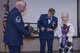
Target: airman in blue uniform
[47, 23]
[15, 30]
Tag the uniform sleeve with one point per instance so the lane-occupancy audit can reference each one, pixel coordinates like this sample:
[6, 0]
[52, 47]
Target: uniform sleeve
[40, 22]
[71, 32]
[56, 24]
[19, 25]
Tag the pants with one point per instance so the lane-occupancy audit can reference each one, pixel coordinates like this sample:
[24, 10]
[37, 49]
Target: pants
[43, 45]
[14, 49]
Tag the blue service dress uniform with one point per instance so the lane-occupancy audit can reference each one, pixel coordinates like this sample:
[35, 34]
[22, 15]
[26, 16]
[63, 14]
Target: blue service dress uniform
[15, 30]
[46, 35]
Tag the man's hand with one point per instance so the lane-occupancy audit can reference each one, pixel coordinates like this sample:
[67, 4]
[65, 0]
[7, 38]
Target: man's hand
[49, 29]
[42, 28]
[32, 34]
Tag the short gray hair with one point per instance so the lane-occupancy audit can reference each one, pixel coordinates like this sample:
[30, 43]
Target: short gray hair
[20, 2]
[65, 14]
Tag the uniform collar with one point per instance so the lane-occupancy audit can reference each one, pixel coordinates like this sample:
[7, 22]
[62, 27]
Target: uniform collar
[17, 9]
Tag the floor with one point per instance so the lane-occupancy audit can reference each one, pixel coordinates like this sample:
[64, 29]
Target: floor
[46, 52]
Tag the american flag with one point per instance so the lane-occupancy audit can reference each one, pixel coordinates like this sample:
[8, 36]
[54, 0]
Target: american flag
[5, 15]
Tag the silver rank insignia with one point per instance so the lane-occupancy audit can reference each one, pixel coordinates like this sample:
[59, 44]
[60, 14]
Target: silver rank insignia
[18, 19]
[53, 23]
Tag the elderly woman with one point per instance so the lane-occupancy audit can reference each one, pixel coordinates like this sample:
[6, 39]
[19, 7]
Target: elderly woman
[65, 34]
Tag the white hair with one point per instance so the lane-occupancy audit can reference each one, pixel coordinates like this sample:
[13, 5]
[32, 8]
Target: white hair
[65, 14]
[20, 2]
